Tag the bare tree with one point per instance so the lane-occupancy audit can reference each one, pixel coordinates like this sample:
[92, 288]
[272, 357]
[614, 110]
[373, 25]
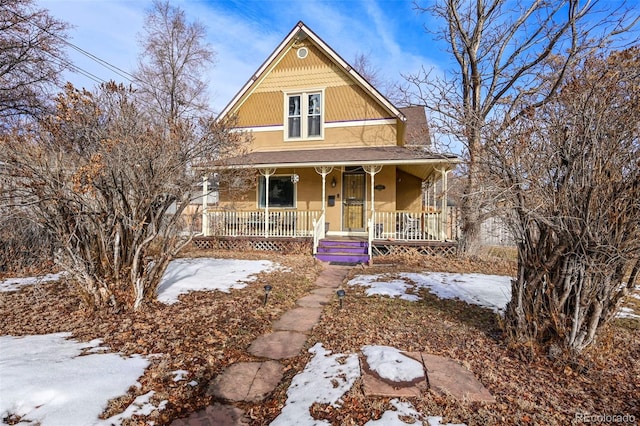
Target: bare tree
[31, 58]
[111, 186]
[173, 60]
[570, 172]
[504, 52]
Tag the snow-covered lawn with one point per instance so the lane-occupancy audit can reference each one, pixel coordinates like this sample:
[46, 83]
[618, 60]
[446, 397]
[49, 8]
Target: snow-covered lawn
[185, 275]
[490, 291]
[14, 284]
[53, 380]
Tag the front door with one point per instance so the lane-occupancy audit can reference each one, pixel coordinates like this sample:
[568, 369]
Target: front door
[353, 192]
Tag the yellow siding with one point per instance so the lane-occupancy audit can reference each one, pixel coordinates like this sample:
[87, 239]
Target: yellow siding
[262, 109]
[339, 137]
[409, 192]
[344, 101]
[349, 103]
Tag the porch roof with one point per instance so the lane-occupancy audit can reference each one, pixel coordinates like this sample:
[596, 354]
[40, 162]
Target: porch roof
[418, 162]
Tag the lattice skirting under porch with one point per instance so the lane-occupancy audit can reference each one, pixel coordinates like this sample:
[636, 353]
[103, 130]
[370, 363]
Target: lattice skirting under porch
[282, 245]
[393, 248]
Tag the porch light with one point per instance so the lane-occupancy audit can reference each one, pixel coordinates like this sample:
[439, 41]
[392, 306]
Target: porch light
[267, 290]
[295, 178]
[341, 294]
[333, 182]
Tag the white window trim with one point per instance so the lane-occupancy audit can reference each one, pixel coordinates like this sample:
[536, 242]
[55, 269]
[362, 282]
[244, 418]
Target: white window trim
[304, 108]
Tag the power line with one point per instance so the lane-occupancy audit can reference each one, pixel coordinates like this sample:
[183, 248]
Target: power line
[74, 68]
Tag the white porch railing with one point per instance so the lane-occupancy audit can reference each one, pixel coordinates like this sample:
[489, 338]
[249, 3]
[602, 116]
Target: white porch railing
[318, 232]
[409, 226]
[280, 223]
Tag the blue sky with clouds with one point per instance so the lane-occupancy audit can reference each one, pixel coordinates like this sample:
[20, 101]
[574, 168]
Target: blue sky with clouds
[244, 33]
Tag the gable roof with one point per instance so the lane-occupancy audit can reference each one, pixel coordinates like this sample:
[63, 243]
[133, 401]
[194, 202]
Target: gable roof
[301, 32]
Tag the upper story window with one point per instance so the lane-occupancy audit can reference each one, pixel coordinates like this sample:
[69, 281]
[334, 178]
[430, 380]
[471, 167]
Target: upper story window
[304, 115]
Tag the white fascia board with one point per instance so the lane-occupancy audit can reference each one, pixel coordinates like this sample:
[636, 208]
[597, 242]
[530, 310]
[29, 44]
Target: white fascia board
[331, 125]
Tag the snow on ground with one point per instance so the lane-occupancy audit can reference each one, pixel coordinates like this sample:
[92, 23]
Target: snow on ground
[46, 381]
[185, 275]
[390, 364]
[14, 284]
[324, 380]
[627, 313]
[490, 291]
[406, 410]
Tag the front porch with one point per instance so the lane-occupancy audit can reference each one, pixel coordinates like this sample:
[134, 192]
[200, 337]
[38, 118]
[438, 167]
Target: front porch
[387, 233]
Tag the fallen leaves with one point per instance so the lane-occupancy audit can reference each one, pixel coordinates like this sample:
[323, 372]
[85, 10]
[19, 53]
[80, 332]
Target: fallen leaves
[207, 331]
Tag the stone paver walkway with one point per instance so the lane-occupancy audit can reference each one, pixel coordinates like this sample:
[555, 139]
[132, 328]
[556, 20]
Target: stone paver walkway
[247, 381]
[253, 381]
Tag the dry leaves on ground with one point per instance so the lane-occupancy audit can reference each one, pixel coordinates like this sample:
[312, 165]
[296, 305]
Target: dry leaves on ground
[207, 331]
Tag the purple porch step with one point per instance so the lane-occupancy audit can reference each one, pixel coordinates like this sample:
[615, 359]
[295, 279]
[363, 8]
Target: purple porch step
[344, 251]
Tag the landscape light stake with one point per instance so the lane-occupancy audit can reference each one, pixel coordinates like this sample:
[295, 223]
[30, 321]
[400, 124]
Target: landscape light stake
[340, 294]
[267, 290]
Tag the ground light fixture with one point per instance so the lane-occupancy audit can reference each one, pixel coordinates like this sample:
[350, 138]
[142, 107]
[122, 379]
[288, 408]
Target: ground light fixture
[267, 290]
[340, 294]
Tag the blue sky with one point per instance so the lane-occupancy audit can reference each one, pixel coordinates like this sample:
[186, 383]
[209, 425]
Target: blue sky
[244, 33]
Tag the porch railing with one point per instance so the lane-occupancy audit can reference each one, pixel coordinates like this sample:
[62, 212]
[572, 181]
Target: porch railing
[410, 226]
[318, 232]
[281, 223]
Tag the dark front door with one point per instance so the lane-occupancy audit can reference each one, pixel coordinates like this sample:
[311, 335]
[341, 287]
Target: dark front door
[353, 192]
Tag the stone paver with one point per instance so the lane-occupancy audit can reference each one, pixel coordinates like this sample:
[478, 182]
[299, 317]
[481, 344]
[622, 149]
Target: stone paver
[373, 386]
[278, 345]
[324, 291]
[313, 301]
[447, 376]
[215, 415]
[332, 276]
[247, 381]
[298, 319]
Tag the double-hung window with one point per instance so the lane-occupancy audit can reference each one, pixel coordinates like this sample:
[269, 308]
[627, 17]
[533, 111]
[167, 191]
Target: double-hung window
[304, 115]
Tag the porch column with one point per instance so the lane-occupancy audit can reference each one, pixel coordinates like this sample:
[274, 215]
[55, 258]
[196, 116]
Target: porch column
[266, 173]
[205, 202]
[443, 203]
[324, 171]
[372, 171]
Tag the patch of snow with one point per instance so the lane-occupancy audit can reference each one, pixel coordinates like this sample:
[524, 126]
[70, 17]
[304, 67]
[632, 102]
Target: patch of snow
[14, 284]
[324, 380]
[405, 409]
[490, 291]
[45, 379]
[628, 313]
[185, 275]
[389, 363]
[193, 383]
[179, 375]
[379, 286]
[140, 406]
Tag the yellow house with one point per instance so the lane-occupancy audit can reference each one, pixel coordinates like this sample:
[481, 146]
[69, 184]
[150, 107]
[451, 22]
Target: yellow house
[334, 158]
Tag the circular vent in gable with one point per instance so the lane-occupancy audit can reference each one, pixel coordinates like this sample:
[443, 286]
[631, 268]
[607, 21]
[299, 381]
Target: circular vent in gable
[303, 52]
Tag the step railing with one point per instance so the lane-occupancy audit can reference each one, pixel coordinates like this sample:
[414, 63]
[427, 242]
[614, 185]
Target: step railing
[318, 232]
